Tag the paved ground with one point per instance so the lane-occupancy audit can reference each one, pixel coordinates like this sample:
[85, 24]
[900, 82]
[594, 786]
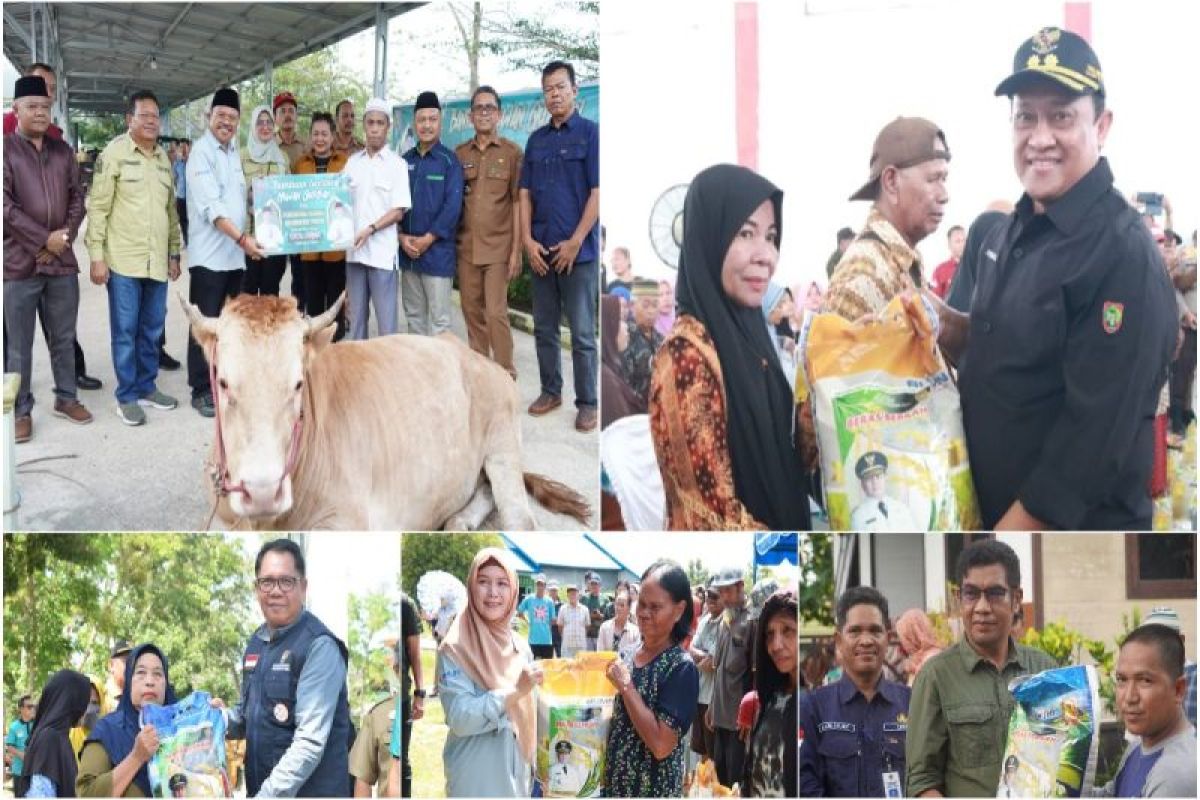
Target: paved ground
[107, 476]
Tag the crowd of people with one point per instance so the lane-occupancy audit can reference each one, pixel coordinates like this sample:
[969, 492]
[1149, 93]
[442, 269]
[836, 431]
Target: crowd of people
[697, 672]
[1037, 307]
[898, 714]
[417, 220]
[81, 737]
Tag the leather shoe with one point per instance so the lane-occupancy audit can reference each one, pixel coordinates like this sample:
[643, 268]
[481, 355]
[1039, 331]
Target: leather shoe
[72, 410]
[87, 382]
[24, 428]
[585, 419]
[165, 361]
[544, 404]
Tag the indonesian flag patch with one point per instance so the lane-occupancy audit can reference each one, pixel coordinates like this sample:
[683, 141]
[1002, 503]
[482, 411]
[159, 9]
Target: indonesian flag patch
[1112, 316]
[251, 662]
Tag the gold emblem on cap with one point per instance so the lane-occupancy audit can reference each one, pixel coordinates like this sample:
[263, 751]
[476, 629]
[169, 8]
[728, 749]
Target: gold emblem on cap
[1033, 62]
[1045, 40]
[1051, 60]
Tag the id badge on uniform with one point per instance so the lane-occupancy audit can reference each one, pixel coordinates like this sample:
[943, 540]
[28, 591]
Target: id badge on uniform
[891, 785]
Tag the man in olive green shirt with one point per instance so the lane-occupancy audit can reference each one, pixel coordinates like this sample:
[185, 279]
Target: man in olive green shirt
[133, 242]
[958, 714]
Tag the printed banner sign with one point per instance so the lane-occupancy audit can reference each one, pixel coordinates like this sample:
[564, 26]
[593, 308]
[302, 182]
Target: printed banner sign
[303, 213]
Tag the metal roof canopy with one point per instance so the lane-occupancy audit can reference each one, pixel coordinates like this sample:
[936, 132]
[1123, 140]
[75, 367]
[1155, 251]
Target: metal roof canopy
[107, 48]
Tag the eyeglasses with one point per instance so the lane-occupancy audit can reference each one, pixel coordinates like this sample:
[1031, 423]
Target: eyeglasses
[488, 108]
[995, 594]
[285, 584]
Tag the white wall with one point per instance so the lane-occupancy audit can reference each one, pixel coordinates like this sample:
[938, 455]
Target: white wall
[831, 79]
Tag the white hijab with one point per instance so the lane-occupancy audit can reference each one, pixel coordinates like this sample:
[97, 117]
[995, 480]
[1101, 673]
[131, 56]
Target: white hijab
[261, 152]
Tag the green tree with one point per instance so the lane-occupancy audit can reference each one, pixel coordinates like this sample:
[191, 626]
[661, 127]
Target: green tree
[423, 552]
[816, 579]
[67, 598]
[370, 615]
[318, 80]
[532, 41]
[97, 130]
[696, 572]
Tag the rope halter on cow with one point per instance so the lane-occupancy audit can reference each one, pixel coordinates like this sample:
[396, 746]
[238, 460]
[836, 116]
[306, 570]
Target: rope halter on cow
[218, 467]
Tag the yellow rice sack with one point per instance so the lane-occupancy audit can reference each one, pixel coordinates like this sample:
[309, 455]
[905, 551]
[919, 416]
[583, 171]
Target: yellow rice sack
[888, 423]
[575, 706]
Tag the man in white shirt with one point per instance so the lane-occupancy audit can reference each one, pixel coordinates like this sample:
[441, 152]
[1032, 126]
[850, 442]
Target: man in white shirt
[573, 619]
[379, 187]
[877, 511]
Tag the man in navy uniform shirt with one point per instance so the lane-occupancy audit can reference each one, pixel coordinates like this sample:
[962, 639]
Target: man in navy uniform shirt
[854, 729]
[1072, 325]
[428, 231]
[560, 207]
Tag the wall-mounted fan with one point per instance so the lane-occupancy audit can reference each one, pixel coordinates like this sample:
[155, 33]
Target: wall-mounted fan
[666, 224]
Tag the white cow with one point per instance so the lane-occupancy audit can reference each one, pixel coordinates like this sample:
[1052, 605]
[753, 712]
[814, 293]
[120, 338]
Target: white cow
[395, 433]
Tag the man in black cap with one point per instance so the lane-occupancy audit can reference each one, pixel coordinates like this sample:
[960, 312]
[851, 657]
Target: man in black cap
[844, 237]
[46, 72]
[43, 209]
[1072, 323]
[877, 511]
[428, 232]
[216, 204]
[907, 190]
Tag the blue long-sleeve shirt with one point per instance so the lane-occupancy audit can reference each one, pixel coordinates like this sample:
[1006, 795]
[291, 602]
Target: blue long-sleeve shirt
[481, 756]
[216, 187]
[436, 182]
[317, 691]
[848, 742]
[562, 167]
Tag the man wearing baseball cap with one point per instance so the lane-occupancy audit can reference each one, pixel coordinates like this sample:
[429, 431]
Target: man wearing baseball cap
[1072, 322]
[732, 659]
[538, 610]
[907, 190]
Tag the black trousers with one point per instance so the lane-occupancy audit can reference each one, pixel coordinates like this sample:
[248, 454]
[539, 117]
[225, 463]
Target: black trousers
[21, 785]
[729, 754]
[299, 290]
[542, 650]
[209, 290]
[1183, 371]
[263, 275]
[406, 723]
[181, 207]
[324, 281]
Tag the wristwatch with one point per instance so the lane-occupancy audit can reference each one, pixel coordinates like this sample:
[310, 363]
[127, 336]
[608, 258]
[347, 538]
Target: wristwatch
[376, 230]
[419, 693]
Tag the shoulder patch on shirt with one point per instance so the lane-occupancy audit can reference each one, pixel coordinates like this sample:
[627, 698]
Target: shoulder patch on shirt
[251, 662]
[845, 727]
[1113, 316]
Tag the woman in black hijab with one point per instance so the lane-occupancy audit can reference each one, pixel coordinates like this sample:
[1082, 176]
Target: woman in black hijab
[49, 758]
[721, 411]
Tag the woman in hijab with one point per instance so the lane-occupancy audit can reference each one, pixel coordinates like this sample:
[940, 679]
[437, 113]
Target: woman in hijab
[721, 411]
[666, 307]
[486, 675]
[777, 309]
[918, 640]
[617, 398]
[49, 757]
[262, 158]
[114, 757]
[656, 692]
[770, 763]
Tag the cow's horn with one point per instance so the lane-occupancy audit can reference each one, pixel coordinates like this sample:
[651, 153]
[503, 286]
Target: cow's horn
[325, 318]
[200, 323]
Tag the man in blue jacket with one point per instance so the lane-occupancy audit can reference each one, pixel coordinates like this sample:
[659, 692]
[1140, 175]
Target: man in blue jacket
[294, 713]
[428, 231]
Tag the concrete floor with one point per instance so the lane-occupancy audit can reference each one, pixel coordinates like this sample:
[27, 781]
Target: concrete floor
[108, 476]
